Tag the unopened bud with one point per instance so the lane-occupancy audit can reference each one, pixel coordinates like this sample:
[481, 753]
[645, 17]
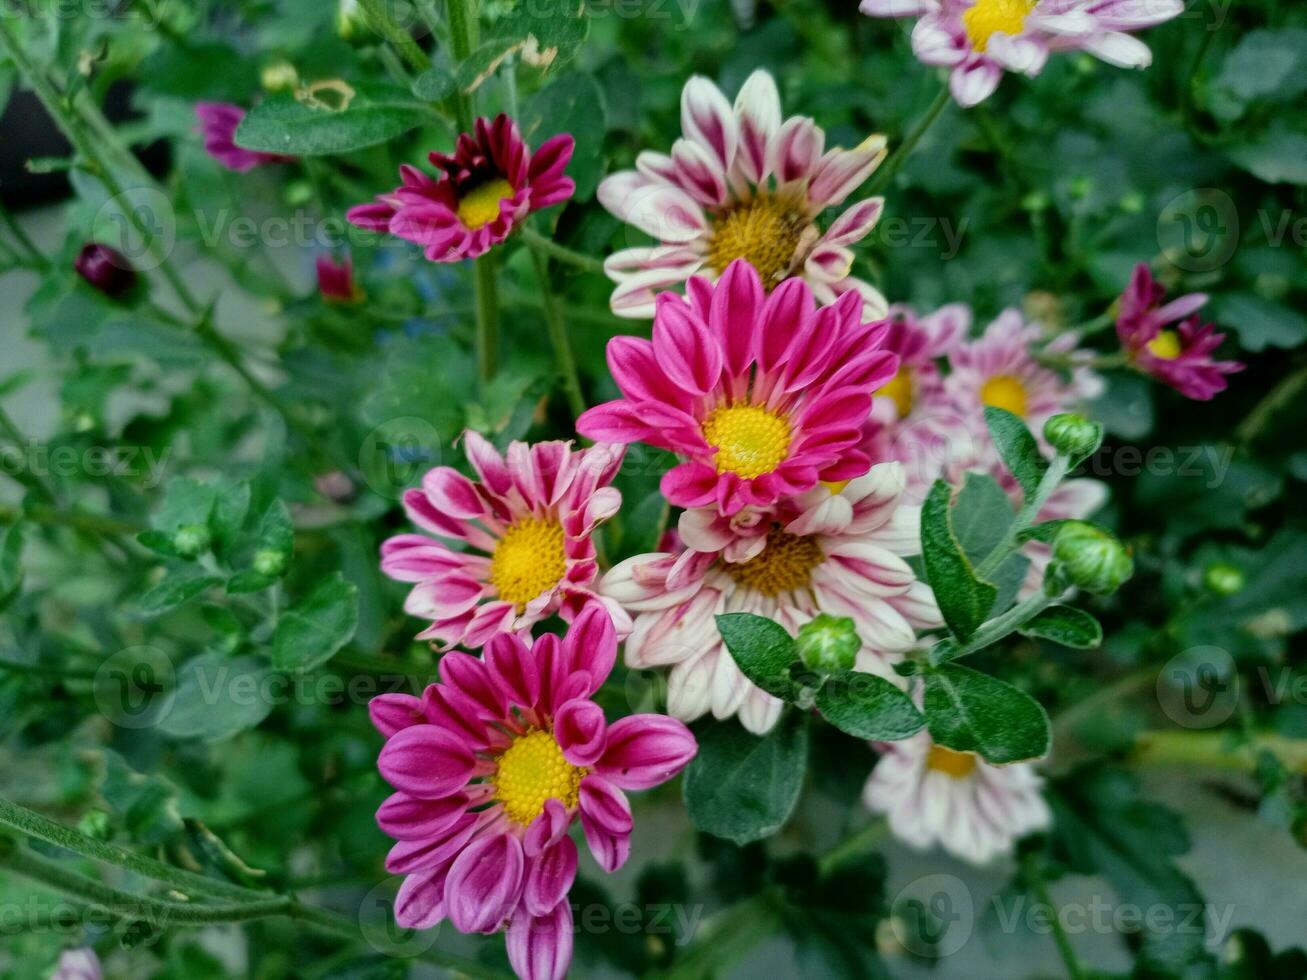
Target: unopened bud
[351, 20]
[1073, 435]
[1091, 558]
[1223, 578]
[828, 643]
[270, 563]
[280, 76]
[191, 540]
[105, 268]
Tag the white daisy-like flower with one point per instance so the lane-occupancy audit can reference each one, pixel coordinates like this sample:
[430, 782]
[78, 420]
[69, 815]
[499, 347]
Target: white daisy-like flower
[742, 182]
[837, 550]
[933, 795]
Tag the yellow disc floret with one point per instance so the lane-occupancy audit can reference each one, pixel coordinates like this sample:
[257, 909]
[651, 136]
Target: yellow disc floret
[1006, 392]
[749, 439]
[480, 206]
[784, 565]
[899, 388]
[955, 764]
[765, 232]
[1166, 345]
[529, 559]
[990, 17]
[531, 771]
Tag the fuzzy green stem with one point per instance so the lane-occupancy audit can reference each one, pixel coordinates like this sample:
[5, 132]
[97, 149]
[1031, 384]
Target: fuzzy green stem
[36, 259]
[896, 159]
[559, 336]
[379, 18]
[560, 252]
[1000, 627]
[1035, 878]
[75, 519]
[463, 31]
[487, 300]
[1277, 398]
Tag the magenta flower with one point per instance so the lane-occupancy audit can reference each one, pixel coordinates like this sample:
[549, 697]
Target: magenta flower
[1168, 341]
[487, 188]
[492, 767]
[742, 182]
[336, 280]
[525, 530]
[980, 39]
[218, 122]
[763, 396]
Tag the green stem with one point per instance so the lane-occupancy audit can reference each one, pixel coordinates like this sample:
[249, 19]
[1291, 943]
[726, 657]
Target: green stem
[26, 243]
[1057, 469]
[559, 337]
[853, 845]
[1215, 750]
[21, 442]
[463, 31]
[560, 252]
[1276, 399]
[45, 670]
[896, 159]
[378, 15]
[1003, 626]
[487, 300]
[724, 937]
[75, 519]
[1074, 970]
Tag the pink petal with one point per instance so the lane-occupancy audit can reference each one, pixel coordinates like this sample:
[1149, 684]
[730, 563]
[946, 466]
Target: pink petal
[405, 817]
[580, 728]
[549, 877]
[645, 751]
[540, 947]
[758, 109]
[547, 829]
[391, 713]
[514, 670]
[706, 118]
[426, 762]
[420, 903]
[684, 348]
[591, 643]
[485, 883]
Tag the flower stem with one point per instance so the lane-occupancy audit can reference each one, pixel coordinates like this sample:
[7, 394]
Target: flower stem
[36, 259]
[487, 300]
[1035, 878]
[397, 37]
[1266, 409]
[559, 336]
[1004, 625]
[463, 30]
[560, 252]
[896, 159]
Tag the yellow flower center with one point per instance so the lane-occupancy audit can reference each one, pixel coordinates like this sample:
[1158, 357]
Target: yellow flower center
[990, 17]
[480, 206]
[749, 440]
[531, 771]
[766, 232]
[1006, 392]
[1165, 345]
[955, 764]
[899, 388]
[785, 565]
[529, 559]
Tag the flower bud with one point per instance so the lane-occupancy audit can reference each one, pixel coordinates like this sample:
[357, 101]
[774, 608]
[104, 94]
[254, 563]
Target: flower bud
[828, 643]
[1223, 578]
[191, 540]
[336, 280]
[351, 20]
[270, 563]
[105, 269]
[1073, 435]
[279, 76]
[1090, 558]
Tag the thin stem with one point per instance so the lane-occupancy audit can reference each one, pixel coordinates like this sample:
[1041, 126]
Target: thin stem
[560, 252]
[1266, 409]
[487, 300]
[20, 236]
[559, 336]
[1074, 970]
[1214, 750]
[1057, 469]
[725, 937]
[463, 31]
[378, 15]
[896, 159]
[853, 845]
[1003, 626]
[21, 442]
[75, 519]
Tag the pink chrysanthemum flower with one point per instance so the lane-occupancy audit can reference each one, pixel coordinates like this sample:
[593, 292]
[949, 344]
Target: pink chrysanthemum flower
[920, 341]
[487, 188]
[492, 767]
[1168, 341]
[980, 39]
[527, 530]
[933, 795]
[832, 550]
[763, 396]
[218, 123]
[78, 964]
[336, 280]
[745, 183]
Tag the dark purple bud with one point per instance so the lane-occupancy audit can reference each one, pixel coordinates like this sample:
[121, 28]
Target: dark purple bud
[105, 268]
[336, 280]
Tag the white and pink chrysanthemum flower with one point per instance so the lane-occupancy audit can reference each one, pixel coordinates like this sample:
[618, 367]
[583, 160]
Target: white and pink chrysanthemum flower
[493, 765]
[762, 396]
[933, 795]
[837, 551]
[488, 187]
[78, 964]
[742, 182]
[1167, 340]
[980, 39]
[920, 341]
[526, 527]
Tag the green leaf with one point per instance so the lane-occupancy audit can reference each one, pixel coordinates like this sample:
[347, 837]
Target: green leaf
[249, 581]
[744, 787]
[310, 633]
[11, 569]
[303, 125]
[1265, 64]
[981, 516]
[763, 651]
[1278, 156]
[276, 529]
[574, 104]
[1018, 448]
[964, 600]
[218, 696]
[186, 501]
[1260, 322]
[175, 589]
[229, 510]
[972, 712]
[867, 706]
[545, 33]
[434, 85]
[1065, 625]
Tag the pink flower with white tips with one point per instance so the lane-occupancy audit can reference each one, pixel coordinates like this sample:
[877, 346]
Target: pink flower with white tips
[980, 39]
[763, 396]
[527, 529]
[489, 185]
[827, 551]
[742, 182]
[493, 765]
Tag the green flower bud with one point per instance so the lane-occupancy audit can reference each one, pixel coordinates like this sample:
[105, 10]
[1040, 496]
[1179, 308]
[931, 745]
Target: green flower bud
[351, 21]
[1073, 435]
[95, 823]
[271, 563]
[279, 76]
[1091, 558]
[191, 540]
[1223, 578]
[828, 643]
